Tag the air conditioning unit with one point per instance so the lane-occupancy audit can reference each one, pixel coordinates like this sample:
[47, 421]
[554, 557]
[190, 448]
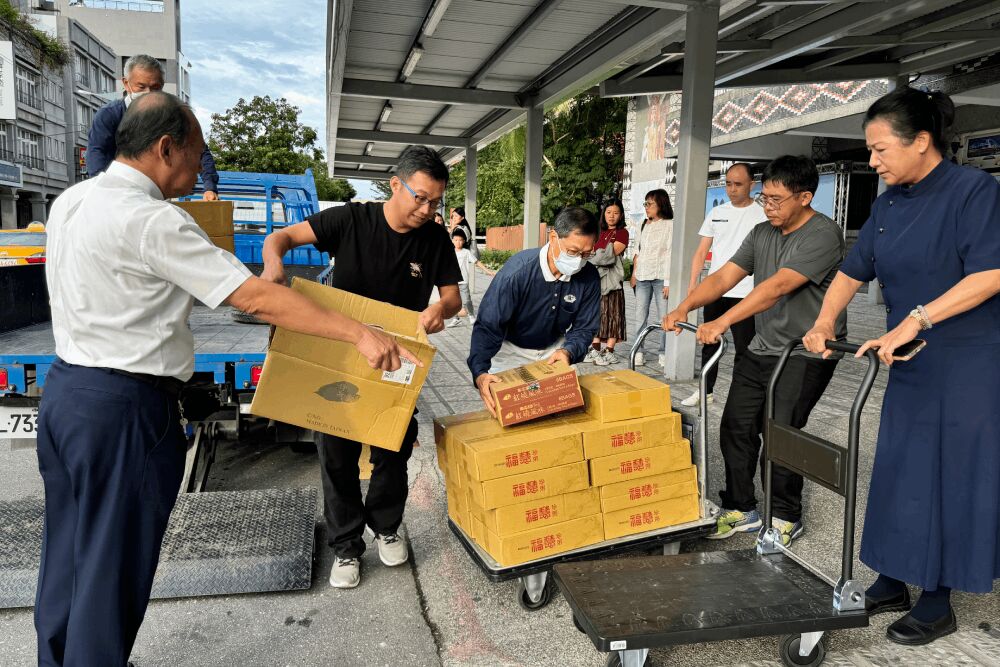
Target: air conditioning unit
[46, 5]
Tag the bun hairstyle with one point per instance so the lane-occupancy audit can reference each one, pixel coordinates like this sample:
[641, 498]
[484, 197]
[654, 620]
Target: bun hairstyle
[910, 111]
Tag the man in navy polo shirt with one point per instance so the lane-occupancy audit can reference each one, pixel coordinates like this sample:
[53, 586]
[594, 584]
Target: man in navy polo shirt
[544, 304]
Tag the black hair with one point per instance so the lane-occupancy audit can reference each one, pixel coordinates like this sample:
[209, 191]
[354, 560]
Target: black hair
[460, 233]
[423, 159]
[460, 210]
[745, 165]
[621, 207]
[575, 219]
[796, 172]
[662, 199]
[910, 111]
[150, 117]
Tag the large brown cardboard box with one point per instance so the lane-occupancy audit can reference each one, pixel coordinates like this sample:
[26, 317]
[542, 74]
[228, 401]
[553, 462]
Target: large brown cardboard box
[647, 490]
[512, 519]
[600, 439]
[545, 541]
[653, 516]
[617, 395]
[530, 485]
[215, 218]
[327, 386]
[493, 451]
[643, 463]
[534, 391]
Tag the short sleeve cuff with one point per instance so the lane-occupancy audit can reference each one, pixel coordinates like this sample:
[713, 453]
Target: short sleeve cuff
[235, 275]
[855, 268]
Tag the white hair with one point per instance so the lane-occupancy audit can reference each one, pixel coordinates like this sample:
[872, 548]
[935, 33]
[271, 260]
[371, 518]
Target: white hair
[142, 61]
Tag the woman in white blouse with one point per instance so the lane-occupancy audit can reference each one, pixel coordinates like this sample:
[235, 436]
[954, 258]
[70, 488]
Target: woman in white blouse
[651, 264]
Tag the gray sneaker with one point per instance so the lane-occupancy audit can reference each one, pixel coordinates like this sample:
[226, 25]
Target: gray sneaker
[592, 356]
[391, 549]
[346, 572]
[607, 358]
[453, 322]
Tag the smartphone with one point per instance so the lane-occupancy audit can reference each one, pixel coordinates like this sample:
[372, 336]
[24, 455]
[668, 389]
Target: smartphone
[907, 351]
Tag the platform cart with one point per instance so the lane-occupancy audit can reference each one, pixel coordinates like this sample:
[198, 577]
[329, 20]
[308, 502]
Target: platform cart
[629, 606]
[534, 586]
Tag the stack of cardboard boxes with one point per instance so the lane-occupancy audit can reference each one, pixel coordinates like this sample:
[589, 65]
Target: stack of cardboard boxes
[538, 489]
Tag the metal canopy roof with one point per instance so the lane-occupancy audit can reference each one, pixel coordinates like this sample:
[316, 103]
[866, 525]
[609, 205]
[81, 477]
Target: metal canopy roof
[456, 73]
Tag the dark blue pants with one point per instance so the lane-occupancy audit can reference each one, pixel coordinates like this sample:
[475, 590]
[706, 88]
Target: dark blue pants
[111, 453]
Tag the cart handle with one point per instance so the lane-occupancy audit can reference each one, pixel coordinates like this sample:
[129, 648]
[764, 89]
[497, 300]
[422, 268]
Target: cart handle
[853, 442]
[702, 434]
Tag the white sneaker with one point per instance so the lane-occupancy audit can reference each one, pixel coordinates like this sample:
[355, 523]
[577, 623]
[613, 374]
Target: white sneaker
[391, 549]
[607, 358]
[592, 355]
[640, 359]
[693, 400]
[453, 322]
[346, 572]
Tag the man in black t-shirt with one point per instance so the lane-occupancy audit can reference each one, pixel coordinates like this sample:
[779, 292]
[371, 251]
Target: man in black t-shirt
[393, 253]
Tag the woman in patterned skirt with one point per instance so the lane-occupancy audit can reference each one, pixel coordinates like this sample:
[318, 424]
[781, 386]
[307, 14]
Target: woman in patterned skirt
[611, 243]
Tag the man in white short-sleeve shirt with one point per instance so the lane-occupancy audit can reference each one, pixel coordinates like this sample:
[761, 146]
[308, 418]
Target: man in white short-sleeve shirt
[123, 268]
[722, 233]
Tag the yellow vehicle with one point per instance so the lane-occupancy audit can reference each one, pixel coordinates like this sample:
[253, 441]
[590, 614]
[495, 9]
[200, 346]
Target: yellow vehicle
[20, 247]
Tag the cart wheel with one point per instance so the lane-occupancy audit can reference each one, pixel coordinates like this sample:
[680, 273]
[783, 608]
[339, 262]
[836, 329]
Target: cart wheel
[790, 653]
[615, 660]
[525, 601]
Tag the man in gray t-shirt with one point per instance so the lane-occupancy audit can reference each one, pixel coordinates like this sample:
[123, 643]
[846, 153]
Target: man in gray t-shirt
[793, 260]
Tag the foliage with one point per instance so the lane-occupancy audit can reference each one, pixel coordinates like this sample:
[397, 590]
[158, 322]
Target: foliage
[627, 264]
[331, 189]
[494, 259]
[499, 183]
[51, 52]
[263, 135]
[383, 189]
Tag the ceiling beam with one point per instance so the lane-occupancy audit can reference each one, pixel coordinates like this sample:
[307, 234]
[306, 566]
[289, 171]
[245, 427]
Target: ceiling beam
[939, 58]
[806, 38]
[338, 27]
[371, 160]
[363, 174]
[421, 93]
[402, 138]
[675, 5]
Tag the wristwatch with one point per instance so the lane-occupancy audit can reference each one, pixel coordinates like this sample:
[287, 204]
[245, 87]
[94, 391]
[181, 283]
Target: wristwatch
[920, 315]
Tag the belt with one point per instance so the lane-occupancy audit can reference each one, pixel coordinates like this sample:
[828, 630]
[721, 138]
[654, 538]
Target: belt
[169, 385]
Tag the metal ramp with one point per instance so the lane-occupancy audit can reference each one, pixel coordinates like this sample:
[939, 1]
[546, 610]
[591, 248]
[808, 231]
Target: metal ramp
[217, 543]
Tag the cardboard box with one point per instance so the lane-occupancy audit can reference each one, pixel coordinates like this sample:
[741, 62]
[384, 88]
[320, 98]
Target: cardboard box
[326, 385]
[457, 509]
[653, 516]
[478, 530]
[215, 218]
[649, 489]
[530, 485]
[492, 451]
[455, 425]
[617, 395]
[442, 458]
[545, 541]
[518, 518]
[600, 439]
[643, 463]
[534, 391]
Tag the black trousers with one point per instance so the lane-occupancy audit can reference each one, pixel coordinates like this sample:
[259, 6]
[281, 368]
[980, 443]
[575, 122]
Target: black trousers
[111, 453]
[345, 512]
[743, 333]
[802, 384]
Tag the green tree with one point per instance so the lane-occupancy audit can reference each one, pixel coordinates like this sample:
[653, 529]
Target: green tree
[263, 135]
[331, 189]
[382, 188]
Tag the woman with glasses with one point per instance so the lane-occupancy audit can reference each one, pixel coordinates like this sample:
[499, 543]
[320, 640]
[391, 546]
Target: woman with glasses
[611, 243]
[933, 243]
[651, 265]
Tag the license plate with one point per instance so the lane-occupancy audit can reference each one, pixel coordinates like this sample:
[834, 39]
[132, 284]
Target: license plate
[18, 422]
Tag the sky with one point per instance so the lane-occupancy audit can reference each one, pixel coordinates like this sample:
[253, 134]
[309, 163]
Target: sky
[242, 48]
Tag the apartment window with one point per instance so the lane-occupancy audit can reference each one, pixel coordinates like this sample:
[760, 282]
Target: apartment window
[6, 142]
[80, 70]
[55, 149]
[52, 90]
[84, 116]
[27, 87]
[107, 83]
[28, 149]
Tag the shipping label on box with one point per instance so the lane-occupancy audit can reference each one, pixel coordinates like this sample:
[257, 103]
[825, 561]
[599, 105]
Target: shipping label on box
[534, 391]
[524, 516]
[530, 485]
[494, 451]
[327, 385]
[545, 541]
[647, 490]
[633, 520]
[600, 439]
[643, 463]
[617, 395]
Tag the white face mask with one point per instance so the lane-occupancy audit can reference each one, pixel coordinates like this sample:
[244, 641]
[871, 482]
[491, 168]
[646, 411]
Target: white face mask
[566, 264]
[132, 97]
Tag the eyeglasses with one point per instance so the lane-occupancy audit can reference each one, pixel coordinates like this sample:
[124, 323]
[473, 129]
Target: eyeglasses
[649, 203]
[421, 200]
[582, 255]
[772, 202]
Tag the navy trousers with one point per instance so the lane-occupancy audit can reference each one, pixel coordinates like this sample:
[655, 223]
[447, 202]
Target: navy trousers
[111, 453]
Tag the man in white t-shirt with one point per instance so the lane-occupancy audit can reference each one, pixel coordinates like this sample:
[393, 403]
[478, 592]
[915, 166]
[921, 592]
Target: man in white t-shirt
[723, 231]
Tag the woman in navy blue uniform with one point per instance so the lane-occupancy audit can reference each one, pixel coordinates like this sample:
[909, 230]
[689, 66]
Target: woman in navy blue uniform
[933, 243]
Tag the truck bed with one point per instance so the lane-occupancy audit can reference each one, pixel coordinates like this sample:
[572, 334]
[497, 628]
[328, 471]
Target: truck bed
[215, 333]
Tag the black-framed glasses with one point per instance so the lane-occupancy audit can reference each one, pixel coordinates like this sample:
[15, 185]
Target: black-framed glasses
[772, 202]
[422, 200]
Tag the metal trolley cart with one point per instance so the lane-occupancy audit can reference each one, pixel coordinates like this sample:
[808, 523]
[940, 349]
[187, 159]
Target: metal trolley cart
[629, 606]
[534, 588]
